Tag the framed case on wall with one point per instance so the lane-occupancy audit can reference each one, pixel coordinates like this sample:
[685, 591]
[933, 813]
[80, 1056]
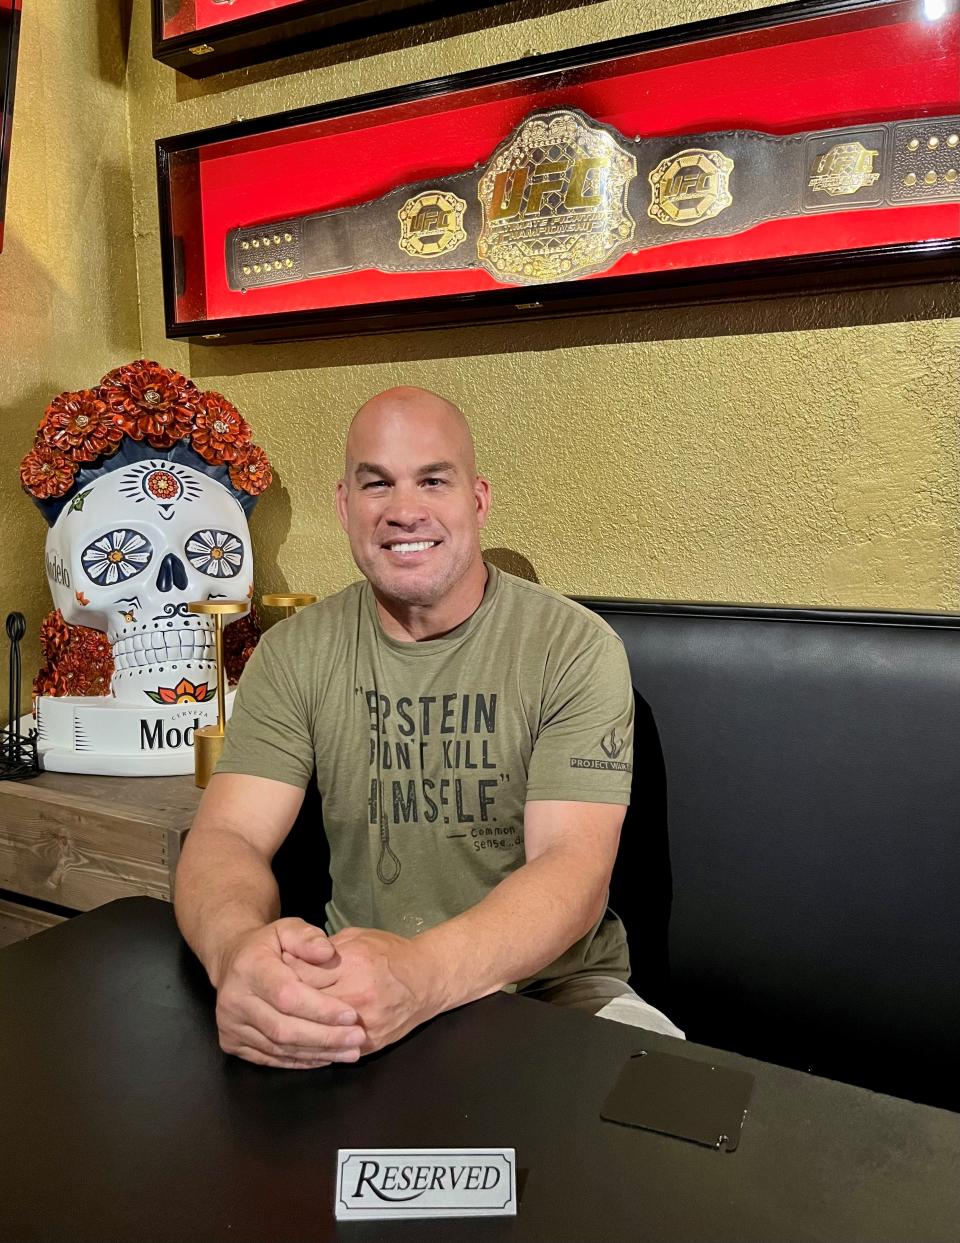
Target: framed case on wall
[202, 37]
[786, 149]
[9, 41]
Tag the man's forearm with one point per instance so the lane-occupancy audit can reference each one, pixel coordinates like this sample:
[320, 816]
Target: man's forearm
[527, 921]
[224, 889]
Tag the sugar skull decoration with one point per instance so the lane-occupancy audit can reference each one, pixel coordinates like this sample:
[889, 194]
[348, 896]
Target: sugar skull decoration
[146, 483]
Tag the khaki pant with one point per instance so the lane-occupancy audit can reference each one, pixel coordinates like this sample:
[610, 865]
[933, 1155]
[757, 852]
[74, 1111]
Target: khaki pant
[608, 998]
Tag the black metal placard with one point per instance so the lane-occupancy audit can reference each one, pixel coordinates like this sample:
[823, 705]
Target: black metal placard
[682, 1097]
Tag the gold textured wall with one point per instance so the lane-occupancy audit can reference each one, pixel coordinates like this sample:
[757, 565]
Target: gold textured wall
[68, 287]
[801, 450]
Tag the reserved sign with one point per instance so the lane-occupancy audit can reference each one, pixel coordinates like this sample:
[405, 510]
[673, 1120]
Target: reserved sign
[413, 1182]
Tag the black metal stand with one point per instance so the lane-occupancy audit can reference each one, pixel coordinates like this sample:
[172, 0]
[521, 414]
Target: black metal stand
[18, 752]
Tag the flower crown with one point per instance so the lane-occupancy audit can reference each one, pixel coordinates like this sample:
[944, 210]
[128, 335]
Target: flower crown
[140, 402]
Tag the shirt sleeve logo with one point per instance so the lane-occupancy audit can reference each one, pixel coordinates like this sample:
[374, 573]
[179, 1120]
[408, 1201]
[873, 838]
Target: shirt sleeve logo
[612, 746]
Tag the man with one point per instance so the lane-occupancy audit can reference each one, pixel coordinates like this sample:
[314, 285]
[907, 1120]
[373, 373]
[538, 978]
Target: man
[470, 733]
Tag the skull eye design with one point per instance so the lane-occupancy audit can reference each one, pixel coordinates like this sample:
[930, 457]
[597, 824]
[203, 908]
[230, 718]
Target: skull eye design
[217, 553]
[116, 556]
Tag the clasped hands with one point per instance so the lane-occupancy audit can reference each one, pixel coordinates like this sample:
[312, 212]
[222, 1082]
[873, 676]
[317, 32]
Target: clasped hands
[290, 996]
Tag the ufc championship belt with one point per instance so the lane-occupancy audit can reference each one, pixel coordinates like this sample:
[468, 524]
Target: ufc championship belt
[564, 196]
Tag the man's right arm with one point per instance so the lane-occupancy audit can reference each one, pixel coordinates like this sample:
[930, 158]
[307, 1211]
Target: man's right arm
[227, 906]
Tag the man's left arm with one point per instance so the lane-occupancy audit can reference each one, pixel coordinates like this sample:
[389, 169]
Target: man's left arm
[535, 913]
[530, 918]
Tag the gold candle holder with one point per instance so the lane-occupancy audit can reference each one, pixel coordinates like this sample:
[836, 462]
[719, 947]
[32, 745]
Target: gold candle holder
[208, 739]
[289, 601]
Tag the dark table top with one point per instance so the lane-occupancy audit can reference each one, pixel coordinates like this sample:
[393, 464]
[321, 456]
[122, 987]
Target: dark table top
[122, 1120]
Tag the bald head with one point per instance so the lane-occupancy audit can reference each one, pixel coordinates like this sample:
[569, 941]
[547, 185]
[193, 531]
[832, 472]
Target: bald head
[412, 412]
[412, 503]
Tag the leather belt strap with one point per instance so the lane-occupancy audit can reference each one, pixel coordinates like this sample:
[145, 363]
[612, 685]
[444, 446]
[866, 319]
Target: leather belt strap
[565, 196]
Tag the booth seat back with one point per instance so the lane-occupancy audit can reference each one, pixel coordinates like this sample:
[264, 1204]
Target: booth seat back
[797, 796]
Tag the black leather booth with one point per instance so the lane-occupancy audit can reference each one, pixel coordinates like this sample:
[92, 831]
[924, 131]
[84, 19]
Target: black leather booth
[789, 871]
[797, 795]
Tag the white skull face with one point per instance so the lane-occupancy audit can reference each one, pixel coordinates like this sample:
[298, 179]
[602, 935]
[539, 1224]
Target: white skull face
[130, 552]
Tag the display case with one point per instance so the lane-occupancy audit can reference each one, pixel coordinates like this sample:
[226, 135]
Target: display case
[9, 39]
[790, 148]
[202, 37]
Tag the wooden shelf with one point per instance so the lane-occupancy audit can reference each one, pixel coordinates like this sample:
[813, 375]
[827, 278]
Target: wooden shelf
[17, 922]
[78, 841]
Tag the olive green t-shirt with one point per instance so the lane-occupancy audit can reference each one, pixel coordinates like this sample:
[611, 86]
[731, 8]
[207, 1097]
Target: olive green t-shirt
[425, 753]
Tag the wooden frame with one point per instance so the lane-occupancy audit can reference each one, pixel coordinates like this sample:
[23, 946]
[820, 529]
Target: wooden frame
[9, 42]
[731, 269]
[297, 26]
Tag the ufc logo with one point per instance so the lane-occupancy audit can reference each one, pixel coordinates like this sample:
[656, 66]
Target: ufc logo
[689, 183]
[520, 191]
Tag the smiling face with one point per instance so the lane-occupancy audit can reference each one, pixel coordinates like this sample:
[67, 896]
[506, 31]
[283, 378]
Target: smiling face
[411, 500]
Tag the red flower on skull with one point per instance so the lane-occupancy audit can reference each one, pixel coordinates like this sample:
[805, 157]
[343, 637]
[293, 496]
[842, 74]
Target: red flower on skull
[46, 472]
[220, 432]
[252, 473]
[151, 402]
[76, 659]
[81, 425]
